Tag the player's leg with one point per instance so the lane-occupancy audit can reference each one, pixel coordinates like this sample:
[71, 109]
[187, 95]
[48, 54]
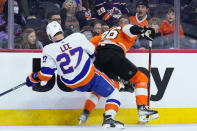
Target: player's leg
[141, 81]
[106, 88]
[89, 105]
[121, 66]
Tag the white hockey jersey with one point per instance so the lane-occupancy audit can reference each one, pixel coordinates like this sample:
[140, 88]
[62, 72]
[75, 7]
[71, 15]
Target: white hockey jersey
[72, 59]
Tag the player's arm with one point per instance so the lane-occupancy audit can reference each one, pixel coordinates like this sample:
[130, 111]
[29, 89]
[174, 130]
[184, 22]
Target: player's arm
[46, 72]
[133, 30]
[48, 68]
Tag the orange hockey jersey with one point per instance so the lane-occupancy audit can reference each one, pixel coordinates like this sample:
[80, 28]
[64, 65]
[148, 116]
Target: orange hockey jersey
[120, 36]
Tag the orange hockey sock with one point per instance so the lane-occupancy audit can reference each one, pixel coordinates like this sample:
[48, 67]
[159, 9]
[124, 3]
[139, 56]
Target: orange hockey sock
[141, 92]
[91, 102]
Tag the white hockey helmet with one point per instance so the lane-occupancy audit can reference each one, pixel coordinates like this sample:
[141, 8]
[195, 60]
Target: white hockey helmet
[53, 28]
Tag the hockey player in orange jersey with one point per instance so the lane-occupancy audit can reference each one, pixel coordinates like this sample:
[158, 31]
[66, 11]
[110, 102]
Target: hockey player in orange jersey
[111, 48]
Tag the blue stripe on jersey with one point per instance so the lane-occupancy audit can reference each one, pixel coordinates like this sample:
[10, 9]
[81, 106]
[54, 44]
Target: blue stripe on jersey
[92, 56]
[48, 71]
[114, 100]
[80, 75]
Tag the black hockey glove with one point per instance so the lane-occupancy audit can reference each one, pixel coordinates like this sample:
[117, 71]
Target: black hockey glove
[136, 30]
[149, 33]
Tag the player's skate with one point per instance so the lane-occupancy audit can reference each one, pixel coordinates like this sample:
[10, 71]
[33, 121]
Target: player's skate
[84, 116]
[146, 115]
[109, 122]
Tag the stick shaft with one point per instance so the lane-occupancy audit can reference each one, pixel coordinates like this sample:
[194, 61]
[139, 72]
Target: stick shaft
[12, 89]
[149, 70]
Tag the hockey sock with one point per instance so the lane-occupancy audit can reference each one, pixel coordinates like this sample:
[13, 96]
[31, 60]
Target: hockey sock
[141, 92]
[91, 101]
[112, 103]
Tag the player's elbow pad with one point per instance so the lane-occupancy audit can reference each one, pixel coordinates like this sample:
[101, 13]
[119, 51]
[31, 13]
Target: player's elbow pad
[136, 30]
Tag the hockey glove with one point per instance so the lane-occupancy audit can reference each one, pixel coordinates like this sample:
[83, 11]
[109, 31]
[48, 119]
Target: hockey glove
[149, 33]
[136, 30]
[32, 79]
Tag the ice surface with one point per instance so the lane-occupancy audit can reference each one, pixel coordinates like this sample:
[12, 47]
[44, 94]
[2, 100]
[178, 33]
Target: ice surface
[187, 127]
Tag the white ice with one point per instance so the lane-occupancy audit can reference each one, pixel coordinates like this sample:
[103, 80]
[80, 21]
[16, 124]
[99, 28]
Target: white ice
[190, 127]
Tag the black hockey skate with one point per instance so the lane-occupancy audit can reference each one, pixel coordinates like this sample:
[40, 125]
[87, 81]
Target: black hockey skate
[109, 122]
[84, 117]
[146, 115]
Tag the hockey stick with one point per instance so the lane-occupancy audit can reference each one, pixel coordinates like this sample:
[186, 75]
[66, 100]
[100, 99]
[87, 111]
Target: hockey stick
[149, 73]
[149, 70]
[12, 89]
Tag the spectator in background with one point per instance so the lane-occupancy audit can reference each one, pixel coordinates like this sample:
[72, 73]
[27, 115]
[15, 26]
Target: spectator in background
[19, 19]
[140, 19]
[34, 22]
[110, 10]
[88, 7]
[2, 3]
[159, 41]
[30, 40]
[167, 28]
[141, 16]
[52, 16]
[123, 20]
[72, 16]
[3, 32]
[95, 29]
[189, 21]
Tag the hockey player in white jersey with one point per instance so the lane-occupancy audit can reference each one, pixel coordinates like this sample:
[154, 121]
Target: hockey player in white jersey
[73, 58]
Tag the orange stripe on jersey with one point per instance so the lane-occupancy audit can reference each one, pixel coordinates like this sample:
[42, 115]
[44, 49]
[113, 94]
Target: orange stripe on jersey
[86, 80]
[32, 79]
[141, 100]
[141, 85]
[111, 107]
[106, 17]
[105, 77]
[43, 78]
[89, 105]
